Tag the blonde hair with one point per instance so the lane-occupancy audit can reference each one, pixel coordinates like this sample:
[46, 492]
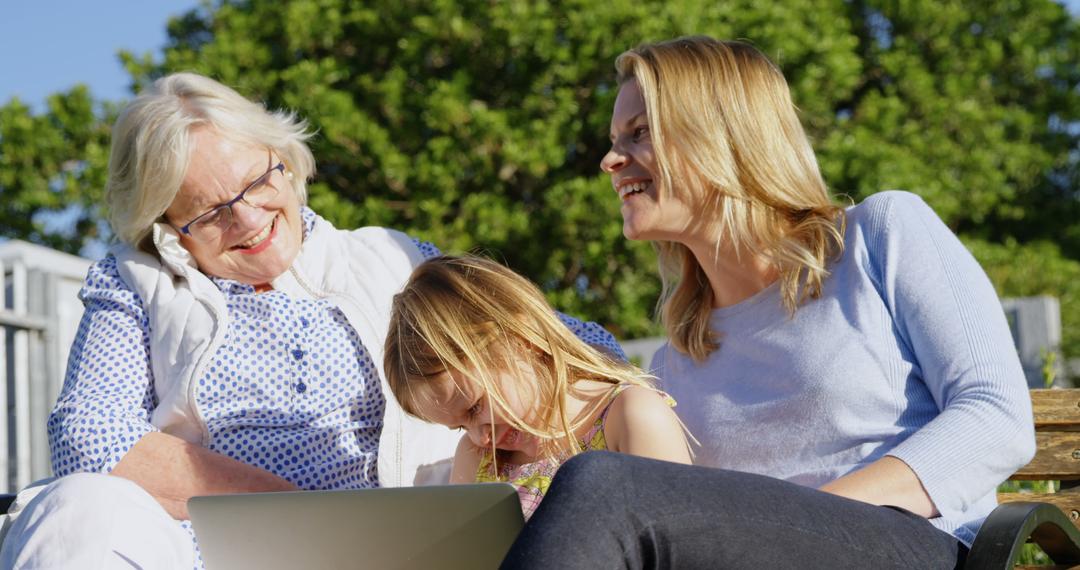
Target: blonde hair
[474, 317]
[150, 146]
[726, 134]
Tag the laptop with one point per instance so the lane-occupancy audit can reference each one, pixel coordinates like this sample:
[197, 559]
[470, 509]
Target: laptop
[403, 528]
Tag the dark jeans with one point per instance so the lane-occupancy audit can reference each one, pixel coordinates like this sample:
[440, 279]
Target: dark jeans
[609, 510]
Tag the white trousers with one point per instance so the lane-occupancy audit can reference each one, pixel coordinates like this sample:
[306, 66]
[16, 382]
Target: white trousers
[95, 521]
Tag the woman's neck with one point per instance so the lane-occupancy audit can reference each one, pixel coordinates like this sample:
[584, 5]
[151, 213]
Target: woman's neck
[733, 278]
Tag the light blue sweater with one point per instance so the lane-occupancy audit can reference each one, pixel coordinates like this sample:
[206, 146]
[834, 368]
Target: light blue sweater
[907, 353]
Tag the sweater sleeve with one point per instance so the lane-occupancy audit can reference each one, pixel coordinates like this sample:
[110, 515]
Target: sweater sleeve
[105, 404]
[948, 315]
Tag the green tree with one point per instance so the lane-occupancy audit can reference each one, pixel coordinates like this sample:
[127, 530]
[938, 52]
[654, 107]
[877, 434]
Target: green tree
[478, 124]
[52, 170]
[481, 124]
[961, 102]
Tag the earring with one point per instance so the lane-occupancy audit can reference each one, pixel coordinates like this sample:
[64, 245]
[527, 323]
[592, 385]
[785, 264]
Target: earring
[288, 174]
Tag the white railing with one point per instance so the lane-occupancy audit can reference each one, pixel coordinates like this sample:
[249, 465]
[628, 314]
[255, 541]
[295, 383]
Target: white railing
[39, 315]
[22, 334]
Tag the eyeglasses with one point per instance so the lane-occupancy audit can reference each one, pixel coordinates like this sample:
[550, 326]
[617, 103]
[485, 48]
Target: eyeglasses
[212, 224]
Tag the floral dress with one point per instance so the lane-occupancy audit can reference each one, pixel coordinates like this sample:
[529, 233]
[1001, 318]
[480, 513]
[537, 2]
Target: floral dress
[533, 479]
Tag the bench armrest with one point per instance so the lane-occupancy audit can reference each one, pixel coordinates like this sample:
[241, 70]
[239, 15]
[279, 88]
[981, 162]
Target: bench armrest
[1009, 527]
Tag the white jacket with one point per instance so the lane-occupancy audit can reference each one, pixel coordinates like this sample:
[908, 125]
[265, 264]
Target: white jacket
[359, 271]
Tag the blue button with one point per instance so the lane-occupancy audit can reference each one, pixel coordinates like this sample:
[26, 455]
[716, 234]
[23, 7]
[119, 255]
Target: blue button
[298, 354]
[301, 387]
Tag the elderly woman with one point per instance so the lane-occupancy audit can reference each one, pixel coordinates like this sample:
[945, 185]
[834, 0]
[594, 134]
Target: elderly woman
[231, 343]
[848, 371]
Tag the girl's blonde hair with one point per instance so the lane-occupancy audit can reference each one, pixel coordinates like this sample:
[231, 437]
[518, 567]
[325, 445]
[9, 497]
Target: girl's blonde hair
[476, 318]
[726, 134]
[150, 146]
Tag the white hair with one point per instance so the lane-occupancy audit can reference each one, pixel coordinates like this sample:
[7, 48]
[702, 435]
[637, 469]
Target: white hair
[150, 145]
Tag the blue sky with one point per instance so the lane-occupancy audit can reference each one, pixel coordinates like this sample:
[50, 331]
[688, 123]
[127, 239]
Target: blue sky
[50, 45]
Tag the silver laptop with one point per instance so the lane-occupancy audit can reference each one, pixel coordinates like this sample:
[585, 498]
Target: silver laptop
[450, 526]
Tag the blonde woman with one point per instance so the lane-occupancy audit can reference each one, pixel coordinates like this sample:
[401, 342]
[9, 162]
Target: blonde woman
[849, 372]
[474, 346]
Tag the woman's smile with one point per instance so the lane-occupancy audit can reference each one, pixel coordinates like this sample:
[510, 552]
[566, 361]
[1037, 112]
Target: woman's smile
[261, 241]
[627, 188]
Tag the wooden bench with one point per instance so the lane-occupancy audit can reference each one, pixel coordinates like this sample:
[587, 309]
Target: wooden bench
[1051, 520]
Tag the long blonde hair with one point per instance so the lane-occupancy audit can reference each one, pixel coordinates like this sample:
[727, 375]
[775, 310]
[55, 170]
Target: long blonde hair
[726, 134]
[475, 317]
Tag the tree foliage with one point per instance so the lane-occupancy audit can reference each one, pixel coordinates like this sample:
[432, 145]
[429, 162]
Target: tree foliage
[52, 170]
[480, 124]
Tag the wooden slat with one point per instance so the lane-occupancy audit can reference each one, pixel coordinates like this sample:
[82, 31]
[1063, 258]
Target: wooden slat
[1056, 410]
[1057, 457]
[1067, 501]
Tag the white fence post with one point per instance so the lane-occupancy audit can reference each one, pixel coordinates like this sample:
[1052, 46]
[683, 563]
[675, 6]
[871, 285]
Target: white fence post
[5, 466]
[21, 345]
[45, 379]
[22, 379]
[1036, 328]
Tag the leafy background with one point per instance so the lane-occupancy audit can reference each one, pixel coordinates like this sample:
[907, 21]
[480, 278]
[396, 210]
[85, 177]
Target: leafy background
[480, 124]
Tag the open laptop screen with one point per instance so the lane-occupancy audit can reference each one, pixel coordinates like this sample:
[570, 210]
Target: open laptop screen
[449, 526]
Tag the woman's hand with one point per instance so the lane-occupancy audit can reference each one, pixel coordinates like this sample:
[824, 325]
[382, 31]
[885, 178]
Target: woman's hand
[887, 481]
[173, 470]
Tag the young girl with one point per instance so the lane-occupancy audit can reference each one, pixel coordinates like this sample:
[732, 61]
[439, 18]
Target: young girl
[472, 345]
